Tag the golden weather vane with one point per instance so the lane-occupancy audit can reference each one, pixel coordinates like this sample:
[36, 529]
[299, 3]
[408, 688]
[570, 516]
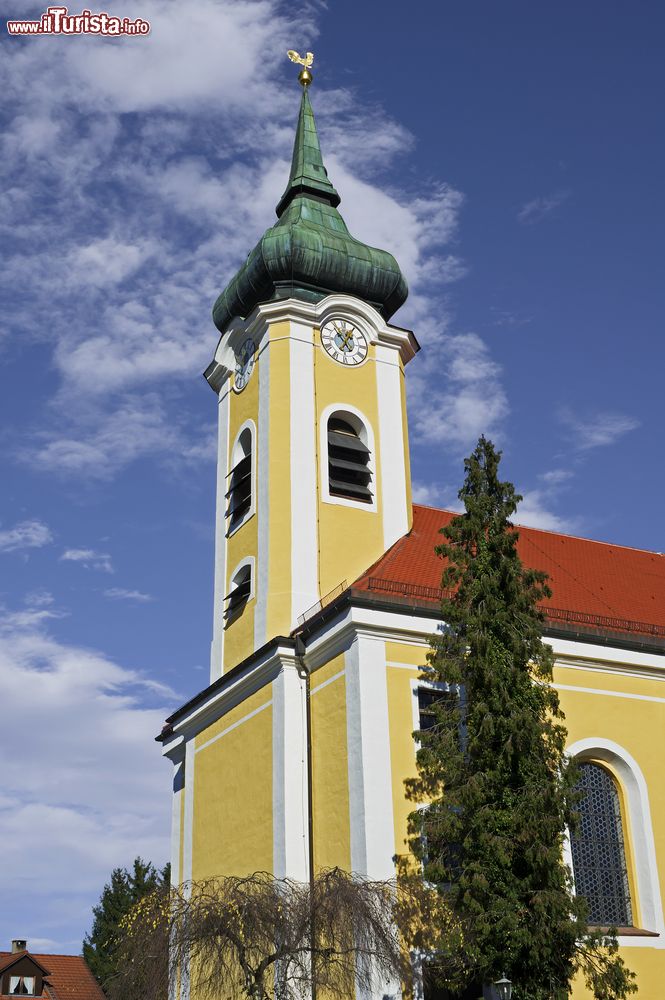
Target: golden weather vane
[304, 76]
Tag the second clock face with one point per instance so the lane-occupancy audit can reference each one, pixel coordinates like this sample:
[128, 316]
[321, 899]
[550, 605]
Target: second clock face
[244, 365]
[344, 342]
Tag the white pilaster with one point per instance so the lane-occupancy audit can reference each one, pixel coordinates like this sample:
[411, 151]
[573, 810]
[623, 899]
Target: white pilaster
[187, 844]
[391, 443]
[263, 498]
[304, 540]
[217, 647]
[176, 819]
[290, 829]
[368, 742]
[188, 821]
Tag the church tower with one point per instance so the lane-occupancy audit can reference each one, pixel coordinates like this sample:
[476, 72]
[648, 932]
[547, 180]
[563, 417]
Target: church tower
[295, 757]
[313, 464]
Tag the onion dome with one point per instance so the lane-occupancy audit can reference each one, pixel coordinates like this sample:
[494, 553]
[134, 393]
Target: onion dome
[309, 252]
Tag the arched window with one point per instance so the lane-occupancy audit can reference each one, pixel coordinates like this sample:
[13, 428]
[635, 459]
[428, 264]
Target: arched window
[349, 472]
[240, 592]
[240, 481]
[597, 846]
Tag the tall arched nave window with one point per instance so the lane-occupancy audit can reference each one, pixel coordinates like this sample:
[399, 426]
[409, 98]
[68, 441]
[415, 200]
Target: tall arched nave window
[598, 850]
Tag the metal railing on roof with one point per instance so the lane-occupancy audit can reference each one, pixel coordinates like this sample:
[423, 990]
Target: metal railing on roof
[402, 589]
[324, 602]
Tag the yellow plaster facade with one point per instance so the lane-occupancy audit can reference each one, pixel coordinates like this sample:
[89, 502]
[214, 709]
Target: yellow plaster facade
[237, 808]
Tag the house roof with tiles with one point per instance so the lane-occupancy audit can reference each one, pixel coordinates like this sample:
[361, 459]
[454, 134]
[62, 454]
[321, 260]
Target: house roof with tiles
[65, 977]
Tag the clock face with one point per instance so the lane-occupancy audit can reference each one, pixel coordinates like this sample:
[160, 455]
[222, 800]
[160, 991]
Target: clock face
[344, 342]
[244, 364]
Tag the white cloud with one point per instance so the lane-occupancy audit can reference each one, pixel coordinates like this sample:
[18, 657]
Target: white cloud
[28, 618]
[100, 443]
[466, 400]
[510, 317]
[534, 512]
[26, 535]
[89, 559]
[107, 261]
[193, 60]
[121, 296]
[556, 477]
[539, 208]
[597, 430]
[84, 788]
[426, 493]
[413, 228]
[39, 599]
[120, 594]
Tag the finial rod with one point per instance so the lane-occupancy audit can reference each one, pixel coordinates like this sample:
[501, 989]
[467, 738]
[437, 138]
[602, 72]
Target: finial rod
[304, 76]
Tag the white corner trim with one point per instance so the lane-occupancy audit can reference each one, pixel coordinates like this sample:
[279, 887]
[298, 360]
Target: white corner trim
[290, 825]
[188, 823]
[346, 409]
[217, 644]
[640, 832]
[303, 473]
[176, 819]
[335, 636]
[263, 501]
[221, 699]
[392, 457]
[369, 762]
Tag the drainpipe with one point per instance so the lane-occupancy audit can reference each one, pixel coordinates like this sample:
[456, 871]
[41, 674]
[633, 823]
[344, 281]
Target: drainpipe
[304, 672]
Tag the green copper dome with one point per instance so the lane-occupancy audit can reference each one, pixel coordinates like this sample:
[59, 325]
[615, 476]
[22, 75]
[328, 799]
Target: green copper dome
[309, 252]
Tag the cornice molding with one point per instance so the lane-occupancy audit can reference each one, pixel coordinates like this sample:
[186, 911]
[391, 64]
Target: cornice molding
[228, 691]
[337, 635]
[314, 314]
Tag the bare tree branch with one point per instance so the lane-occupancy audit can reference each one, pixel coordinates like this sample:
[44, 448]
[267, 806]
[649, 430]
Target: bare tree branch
[270, 939]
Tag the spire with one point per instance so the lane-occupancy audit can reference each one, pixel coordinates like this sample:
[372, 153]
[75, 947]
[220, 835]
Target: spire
[309, 252]
[308, 175]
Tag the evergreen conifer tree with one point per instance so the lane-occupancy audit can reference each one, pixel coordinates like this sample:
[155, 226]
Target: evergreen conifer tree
[123, 891]
[492, 767]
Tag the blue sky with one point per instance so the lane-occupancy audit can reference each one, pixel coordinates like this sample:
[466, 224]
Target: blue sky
[510, 155]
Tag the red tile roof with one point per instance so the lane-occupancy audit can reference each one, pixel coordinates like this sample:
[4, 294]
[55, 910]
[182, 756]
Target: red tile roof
[69, 978]
[596, 584]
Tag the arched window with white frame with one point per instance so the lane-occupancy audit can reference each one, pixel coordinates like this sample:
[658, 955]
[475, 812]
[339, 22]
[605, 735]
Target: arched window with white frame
[639, 847]
[598, 849]
[240, 494]
[349, 474]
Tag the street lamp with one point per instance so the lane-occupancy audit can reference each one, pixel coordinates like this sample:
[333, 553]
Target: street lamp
[504, 988]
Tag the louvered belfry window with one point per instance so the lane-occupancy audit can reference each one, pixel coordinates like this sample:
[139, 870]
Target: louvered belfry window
[239, 492]
[241, 588]
[599, 857]
[349, 474]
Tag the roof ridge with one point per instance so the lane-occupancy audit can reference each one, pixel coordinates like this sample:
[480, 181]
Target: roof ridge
[55, 954]
[560, 534]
